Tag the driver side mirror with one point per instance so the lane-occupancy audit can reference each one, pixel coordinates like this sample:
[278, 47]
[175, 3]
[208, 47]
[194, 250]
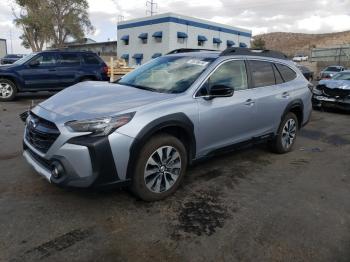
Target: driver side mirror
[220, 91]
[34, 63]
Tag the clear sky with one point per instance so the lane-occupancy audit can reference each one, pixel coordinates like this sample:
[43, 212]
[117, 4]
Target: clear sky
[261, 16]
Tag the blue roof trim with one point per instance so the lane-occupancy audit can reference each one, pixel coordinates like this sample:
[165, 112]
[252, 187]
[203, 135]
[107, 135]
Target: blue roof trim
[156, 55]
[181, 35]
[217, 40]
[125, 37]
[230, 43]
[202, 38]
[138, 56]
[183, 22]
[242, 45]
[125, 56]
[158, 34]
[143, 35]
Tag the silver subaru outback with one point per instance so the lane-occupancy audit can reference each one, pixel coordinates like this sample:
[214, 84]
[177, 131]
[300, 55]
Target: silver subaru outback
[144, 130]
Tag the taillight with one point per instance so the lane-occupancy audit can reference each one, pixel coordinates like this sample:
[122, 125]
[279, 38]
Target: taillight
[105, 69]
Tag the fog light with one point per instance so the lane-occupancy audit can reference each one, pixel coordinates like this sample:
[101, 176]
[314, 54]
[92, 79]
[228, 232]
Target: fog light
[57, 170]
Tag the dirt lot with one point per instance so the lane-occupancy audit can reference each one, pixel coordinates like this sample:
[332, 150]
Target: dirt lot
[250, 205]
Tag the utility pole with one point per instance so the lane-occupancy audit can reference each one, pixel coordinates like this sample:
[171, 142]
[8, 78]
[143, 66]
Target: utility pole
[151, 7]
[11, 41]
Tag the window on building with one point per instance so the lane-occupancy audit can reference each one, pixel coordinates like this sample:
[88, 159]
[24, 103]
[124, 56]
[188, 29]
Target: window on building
[262, 73]
[181, 40]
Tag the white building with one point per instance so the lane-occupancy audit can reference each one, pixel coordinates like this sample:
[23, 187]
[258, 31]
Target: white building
[140, 40]
[3, 48]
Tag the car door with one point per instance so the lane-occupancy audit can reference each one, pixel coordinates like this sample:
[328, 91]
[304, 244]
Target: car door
[271, 95]
[69, 69]
[40, 72]
[225, 120]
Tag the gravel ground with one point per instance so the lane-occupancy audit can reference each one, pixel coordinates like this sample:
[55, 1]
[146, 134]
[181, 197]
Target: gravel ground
[249, 205]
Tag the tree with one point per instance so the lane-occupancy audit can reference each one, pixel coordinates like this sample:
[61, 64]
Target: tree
[258, 43]
[70, 19]
[52, 22]
[32, 19]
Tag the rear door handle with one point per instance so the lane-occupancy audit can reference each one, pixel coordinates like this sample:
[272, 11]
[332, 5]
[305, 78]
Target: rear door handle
[285, 95]
[249, 102]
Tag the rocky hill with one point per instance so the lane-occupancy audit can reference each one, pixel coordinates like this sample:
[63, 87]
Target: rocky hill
[291, 43]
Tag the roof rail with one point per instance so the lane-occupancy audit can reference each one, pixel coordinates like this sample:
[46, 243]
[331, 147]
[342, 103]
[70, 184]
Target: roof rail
[253, 52]
[188, 50]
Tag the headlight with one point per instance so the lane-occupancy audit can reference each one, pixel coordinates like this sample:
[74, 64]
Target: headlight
[100, 126]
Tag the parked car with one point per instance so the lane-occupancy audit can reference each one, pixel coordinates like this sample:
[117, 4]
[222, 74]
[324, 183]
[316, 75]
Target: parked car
[330, 71]
[144, 130]
[308, 74]
[49, 71]
[10, 59]
[334, 92]
[300, 58]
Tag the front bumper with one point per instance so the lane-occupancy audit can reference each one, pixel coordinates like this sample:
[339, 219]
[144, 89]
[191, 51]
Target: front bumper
[85, 161]
[324, 101]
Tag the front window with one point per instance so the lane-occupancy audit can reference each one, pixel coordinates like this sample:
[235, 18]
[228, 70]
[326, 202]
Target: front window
[25, 59]
[169, 74]
[342, 76]
[45, 59]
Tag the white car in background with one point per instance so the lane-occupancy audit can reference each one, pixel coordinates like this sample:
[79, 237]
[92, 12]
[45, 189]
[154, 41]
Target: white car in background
[300, 58]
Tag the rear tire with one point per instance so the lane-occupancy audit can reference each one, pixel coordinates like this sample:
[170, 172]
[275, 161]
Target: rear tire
[160, 168]
[286, 135]
[8, 90]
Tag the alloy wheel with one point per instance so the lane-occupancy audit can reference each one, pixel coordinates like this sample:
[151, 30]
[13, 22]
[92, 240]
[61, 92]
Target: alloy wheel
[288, 133]
[162, 169]
[6, 90]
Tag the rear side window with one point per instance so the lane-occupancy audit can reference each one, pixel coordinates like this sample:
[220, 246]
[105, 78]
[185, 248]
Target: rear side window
[69, 59]
[287, 73]
[262, 73]
[91, 59]
[278, 76]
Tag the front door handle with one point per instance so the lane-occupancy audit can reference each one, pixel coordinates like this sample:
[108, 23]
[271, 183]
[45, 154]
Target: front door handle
[249, 102]
[285, 95]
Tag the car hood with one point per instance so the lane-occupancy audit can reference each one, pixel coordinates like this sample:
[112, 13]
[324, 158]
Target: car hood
[88, 100]
[6, 67]
[340, 84]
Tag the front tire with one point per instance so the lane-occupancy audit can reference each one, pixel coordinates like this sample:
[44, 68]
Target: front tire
[160, 168]
[286, 136]
[8, 90]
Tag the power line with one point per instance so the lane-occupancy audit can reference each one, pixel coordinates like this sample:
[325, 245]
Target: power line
[151, 7]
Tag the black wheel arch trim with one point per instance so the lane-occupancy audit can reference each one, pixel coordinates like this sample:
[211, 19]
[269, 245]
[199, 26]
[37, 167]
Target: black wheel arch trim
[297, 103]
[179, 120]
[102, 160]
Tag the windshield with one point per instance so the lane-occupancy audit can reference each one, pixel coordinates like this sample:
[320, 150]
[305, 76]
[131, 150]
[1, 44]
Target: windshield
[333, 69]
[24, 59]
[168, 74]
[342, 76]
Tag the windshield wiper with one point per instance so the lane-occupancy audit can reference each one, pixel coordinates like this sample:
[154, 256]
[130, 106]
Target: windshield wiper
[140, 87]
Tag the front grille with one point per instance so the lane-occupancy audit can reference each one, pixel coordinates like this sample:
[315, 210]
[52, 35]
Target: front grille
[336, 92]
[41, 133]
[45, 163]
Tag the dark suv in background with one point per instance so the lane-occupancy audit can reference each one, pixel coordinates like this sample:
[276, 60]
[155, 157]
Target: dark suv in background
[50, 71]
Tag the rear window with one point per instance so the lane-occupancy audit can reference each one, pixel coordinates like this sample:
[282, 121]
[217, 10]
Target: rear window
[262, 73]
[287, 73]
[91, 59]
[333, 69]
[69, 59]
